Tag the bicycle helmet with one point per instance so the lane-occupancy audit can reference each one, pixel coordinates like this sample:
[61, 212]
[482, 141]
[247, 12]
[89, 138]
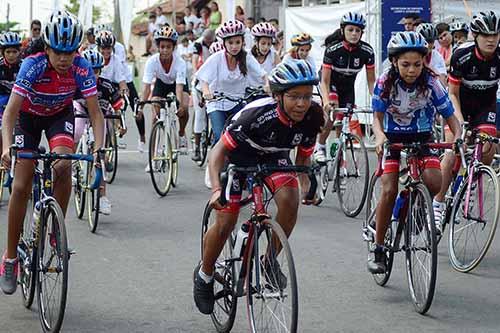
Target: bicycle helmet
[105, 39]
[486, 23]
[91, 31]
[292, 73]
[459, 26]
[353, 18]
[263, 29]
[95, 58]
[10, 39]
[166, 33]
[63, 32]
[216, 46]
[230, 29]
[301, 39]
[405, 41]
[428, 31]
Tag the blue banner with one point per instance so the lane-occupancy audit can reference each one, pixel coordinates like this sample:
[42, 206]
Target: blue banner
[393, 12]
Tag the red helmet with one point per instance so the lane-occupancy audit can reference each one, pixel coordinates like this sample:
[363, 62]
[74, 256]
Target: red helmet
[231, 28]
[263, 29]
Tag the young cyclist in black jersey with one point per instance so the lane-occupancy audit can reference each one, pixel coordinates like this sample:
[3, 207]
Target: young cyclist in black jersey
[10, 50]
[263, 132]
[473, 84]
[341, 64]
[459, 32]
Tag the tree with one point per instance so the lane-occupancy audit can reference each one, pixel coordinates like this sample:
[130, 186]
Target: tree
[8, 26]
[74, 7]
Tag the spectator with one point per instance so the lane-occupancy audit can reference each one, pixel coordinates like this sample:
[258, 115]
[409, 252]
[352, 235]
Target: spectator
[201, 48]
[161, 19]
[205, 16]
[410, 21]
[279, 44]
[275, 23]
[180, 27]
[262, 20]
[444, 41]
[36, 29]
[240, 14]
[215, 16]
[249, 23]
[149, 37]
[190, 36]
[191, 20]
[185, 50]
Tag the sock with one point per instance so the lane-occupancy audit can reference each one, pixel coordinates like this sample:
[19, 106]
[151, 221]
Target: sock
[205, 277]
[320, 146]
[437, 204]
[11, 261]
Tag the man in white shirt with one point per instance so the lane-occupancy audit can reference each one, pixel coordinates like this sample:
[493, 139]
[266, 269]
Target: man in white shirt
[161, 19]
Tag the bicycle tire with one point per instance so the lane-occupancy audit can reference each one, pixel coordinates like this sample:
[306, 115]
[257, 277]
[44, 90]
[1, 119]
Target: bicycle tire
[93, 198]
[27, 262]
[457, 228]
[417, 225]
[258, 292]
[371, 206]
[226, 299]
[363, 167]
[111, 152]
[159, 167]
[2, 181]
[174, 138]
[322, 179]
[79, 192]
[205, 143]
[54, 230]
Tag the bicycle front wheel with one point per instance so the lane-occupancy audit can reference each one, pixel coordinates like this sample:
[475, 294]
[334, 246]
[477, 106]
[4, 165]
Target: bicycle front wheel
[27, 249]
[79, 179]
[224, 278]
[321, 174]
[205, 142]
[52, 261]
[272, 297]
[352, 175]
[111, 155]
[421, 248]
[472, 231]
[93, 200]
[160, 159]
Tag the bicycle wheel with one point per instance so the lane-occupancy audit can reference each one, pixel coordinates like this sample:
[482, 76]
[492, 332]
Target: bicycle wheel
[272, 297]
[79, 180]
[174, 138]
[2, 181]
[52, 261]
[470, 236]
[27, 249]
[421, 248]
[205, 143]
[93, 197]
[374, 193]
[352, 175]
[323, 181]
[111, 155]
[224, 279]
[160, 159]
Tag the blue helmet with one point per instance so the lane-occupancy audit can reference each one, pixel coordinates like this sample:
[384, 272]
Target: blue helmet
[292, 73]
[10, 39]
[95, 58]
[353, 18]
[405, 41]
[63, 32]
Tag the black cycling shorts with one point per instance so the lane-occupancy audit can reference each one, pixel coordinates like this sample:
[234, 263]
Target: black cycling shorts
[161, 89]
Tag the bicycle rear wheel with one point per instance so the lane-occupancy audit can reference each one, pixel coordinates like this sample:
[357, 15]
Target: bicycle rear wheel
[52, 261]
[421, 248]
[160, 159]
[27, 251]
[271, 283]
[79, 179]
[224, 279]
[374, 193]
[352, 175]
[470, 236]
[111, 155]
[93, 198]
[205, 143]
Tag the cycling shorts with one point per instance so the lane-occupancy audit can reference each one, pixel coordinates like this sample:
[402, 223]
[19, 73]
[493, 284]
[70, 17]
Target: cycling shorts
[58, 129]
[161, 89]
[484, 120]
[429, 158]
[343, 96]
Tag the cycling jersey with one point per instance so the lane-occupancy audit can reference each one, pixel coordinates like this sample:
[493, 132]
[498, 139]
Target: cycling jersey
[47, 92]
[261, 132]
[154, 69]
[478, 80]
[345, 62]
[114, 70]
[8, 73]
[108, 94]
[202, 50]
[267, 66]
[408, 110]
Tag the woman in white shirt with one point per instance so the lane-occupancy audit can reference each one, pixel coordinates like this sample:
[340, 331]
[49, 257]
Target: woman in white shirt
[113, 69]
[262, 50]
[301, 46]
[169, 70]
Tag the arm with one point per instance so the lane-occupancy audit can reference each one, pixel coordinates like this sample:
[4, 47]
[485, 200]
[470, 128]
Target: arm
[215, 164]
[9, 120]
[326, 75]
[179, 90]
[206, 90]
[97, 120]
[454, 92]
[194, 60]
[146, 91]
[378, 130]
[370, 78]
[455, 127]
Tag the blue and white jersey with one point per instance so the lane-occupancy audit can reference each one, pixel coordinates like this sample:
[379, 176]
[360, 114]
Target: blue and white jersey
[408, 110]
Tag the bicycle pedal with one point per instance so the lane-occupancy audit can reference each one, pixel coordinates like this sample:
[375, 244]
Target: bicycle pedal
[71, 252]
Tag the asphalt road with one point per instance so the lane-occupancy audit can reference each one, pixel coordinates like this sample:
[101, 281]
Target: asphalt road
[135, 273]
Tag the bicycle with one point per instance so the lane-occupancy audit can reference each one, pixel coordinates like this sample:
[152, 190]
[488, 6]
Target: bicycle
[43, 249]
[413, 221]
[86, 196]
[265, 246]
[164, 145]
[347, 167]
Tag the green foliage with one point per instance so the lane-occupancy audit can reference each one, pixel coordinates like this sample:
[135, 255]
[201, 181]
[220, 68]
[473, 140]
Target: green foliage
[74, 6]
[8, 27]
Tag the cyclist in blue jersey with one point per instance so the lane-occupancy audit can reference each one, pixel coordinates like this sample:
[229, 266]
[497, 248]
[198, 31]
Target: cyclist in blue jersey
[405, 100]
[41, 100]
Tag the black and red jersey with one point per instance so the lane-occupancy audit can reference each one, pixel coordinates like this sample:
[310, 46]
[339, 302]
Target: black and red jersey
[8, 73]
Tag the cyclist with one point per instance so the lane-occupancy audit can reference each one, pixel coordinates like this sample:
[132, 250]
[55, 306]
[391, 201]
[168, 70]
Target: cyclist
[110, 101]
[473, 84]
[263, 132]
[230, 71]
[169, 70]
[10, 50]
[459, 32]
[433, 60]
[202, 48]
[41, 100]
[405, 100]
[301, 46]
[263, 50]
[113, 69]
[341, 64]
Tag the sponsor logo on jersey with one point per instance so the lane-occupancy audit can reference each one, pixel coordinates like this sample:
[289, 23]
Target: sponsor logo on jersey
[236, 185]
[356, 62]
[19, 140]
[493, 72]
[474, 70]
[297, 139]
[68, 127]
[88, 83]
[492, 116]
[282, 162]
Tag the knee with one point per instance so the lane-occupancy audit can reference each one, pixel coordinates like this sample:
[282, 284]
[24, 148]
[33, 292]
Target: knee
[21, 188]
[225, 224]
[62, 171]
[389, 193]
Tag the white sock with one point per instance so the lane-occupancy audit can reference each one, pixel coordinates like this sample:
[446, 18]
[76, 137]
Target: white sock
[205, 277]
[437, 204]
[320, 146]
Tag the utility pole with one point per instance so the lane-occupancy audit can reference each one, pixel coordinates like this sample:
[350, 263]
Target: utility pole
[31, 11]
[7, 19]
